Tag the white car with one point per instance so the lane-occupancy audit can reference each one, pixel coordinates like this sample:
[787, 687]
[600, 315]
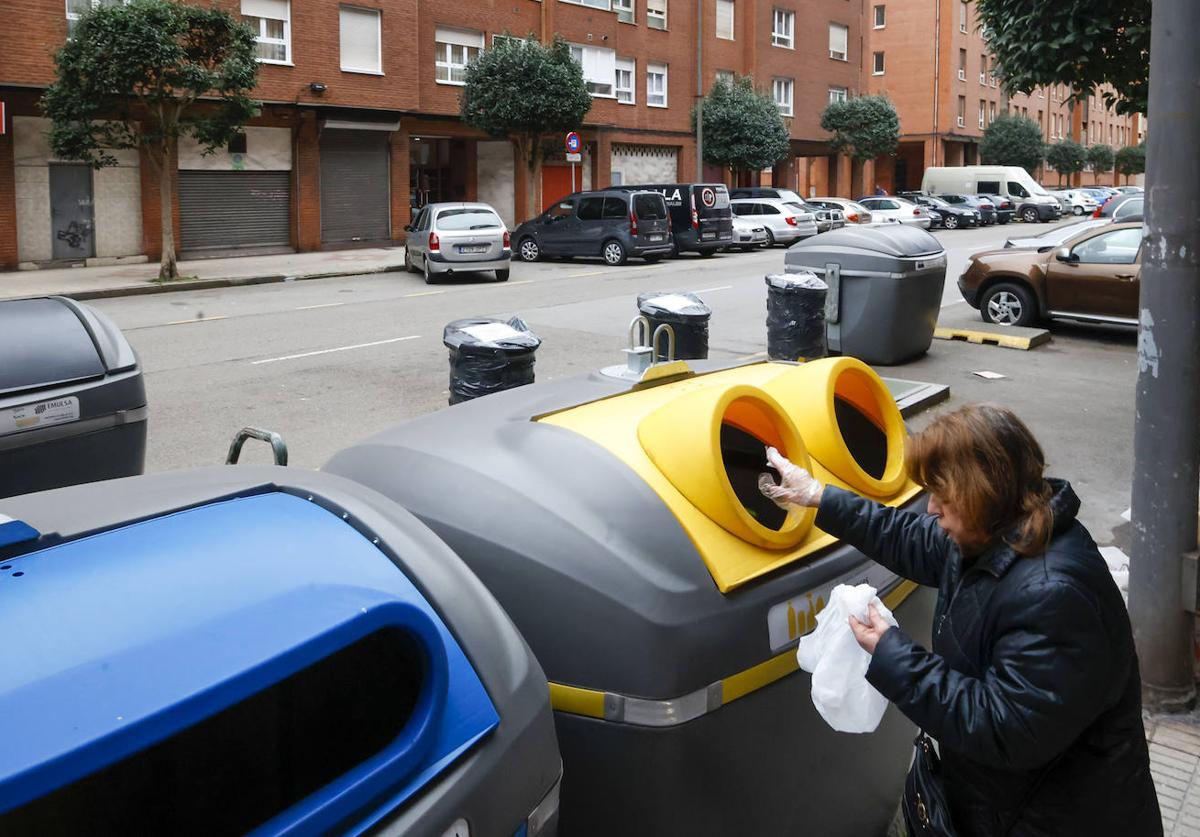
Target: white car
[748, 234]
[448, 238]
[1077, 203]
[784, 222]
[854, 212]
[898, 209]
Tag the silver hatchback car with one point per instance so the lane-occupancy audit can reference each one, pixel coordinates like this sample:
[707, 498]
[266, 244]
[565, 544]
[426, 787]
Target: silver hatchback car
[448, 238]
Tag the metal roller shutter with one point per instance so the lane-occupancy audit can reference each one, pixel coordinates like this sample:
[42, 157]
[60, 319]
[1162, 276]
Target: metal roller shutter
[645, 164]
[227, 209]
[354, 186]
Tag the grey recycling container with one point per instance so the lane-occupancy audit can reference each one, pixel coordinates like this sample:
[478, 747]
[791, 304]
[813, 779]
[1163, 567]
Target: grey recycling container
[589, 507]
[260, 650]
[687, 315]
[885, 289]
[72, 399]
[488, 355]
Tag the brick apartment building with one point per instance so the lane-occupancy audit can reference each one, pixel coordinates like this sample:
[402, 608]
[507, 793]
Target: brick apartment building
[360, 123]
[931, 59]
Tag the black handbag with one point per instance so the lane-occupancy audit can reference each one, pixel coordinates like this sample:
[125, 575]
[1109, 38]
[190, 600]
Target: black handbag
[926, 812]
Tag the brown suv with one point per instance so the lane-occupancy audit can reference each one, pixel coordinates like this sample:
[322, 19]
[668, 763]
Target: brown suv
[1093, 276]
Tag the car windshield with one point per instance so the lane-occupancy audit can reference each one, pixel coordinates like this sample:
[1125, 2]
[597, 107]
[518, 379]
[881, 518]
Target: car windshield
[788, 196]
[799, 207]
[935, 201]
[473, 218]
[1058, 235]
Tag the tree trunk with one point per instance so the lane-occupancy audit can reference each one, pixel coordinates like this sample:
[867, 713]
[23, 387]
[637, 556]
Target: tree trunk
[168, 268]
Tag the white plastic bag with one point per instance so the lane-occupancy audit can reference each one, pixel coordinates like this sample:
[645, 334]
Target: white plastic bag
[838, 664]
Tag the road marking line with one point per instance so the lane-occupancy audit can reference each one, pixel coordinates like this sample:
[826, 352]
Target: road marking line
[587, 273]
[196, 320]
[423, 293]
[322, 305]
[955, 302]
[521, 282]
[338, 349]
[751, 357]
[710, 290]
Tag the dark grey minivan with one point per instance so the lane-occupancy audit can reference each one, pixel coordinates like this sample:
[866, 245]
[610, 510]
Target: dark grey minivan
[612, 224]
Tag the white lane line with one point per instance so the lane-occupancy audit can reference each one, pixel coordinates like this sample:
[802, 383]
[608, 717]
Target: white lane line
[423, 293]
[587, 273]
[522, 282]
[710, 290]
[196, 320]
[338, 349]
[322, 305]
[956, 302]
[751, 357]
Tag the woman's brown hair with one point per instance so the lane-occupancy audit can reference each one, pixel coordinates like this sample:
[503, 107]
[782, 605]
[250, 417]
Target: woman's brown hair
[984, 460]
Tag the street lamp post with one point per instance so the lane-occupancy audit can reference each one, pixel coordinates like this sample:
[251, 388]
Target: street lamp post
[1166, 444]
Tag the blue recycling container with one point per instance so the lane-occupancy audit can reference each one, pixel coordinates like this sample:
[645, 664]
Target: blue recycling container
[258, 650]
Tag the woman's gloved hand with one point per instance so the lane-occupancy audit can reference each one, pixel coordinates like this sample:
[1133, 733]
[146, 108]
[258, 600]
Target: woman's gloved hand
[798, 488]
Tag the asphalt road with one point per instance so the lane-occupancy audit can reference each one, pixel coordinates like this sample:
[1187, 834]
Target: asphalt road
[328, 362]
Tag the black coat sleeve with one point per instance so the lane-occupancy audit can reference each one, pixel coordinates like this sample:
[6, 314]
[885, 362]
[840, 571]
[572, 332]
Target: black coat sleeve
[907, 543]
[1050, 669]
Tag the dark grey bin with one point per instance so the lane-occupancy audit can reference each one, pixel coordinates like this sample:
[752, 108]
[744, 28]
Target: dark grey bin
[885, 289]
[72, 399]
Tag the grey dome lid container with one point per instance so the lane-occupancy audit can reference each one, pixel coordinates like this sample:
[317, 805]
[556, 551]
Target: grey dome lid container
[494, 785]
[885, 289]
[72, 397]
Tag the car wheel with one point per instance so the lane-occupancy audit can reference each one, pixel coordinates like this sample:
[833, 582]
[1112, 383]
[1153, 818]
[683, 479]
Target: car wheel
[950, 222]
[1008, 304]
[1002, 221]
[613, 252]
[426, 272]
[770, 239]
[1078, 210]
[529, 250]
[1029, 215]
[408, 265]
[502, 275]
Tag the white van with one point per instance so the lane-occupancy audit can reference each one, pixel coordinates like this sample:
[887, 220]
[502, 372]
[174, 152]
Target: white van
[1033, 203]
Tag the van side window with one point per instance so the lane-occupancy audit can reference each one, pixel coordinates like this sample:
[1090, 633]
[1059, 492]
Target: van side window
[648, 207]
[988, 187]
[590, 209]
[1017, 190]
[561, 211]
[614, 208]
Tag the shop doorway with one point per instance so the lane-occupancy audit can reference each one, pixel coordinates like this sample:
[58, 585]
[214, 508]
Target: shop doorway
[437, 171]
[71, 216]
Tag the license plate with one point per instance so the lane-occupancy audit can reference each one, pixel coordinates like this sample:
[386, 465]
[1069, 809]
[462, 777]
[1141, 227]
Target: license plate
[473, 248]
[708, 235]
[656, 236]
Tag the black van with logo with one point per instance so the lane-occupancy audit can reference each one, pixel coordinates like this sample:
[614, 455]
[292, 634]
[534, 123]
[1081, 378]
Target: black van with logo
[612, 223]
[701, 218]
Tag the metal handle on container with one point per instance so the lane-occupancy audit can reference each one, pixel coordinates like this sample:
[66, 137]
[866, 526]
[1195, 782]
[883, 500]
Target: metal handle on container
[639, 332]
[670, 332]
[278, 446]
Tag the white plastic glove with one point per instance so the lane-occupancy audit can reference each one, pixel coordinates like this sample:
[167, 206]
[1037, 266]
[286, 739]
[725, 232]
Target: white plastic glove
[798, 488]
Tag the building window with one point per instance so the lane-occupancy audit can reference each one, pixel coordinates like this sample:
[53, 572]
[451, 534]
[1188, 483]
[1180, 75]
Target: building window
[360, 40]
[991, 112]
[656, 14]
[782, 89]
[880, 17]
[626, 72]
[656, 85]
[624, 10]
[983, 69]
[725, 20]
[783, 27]
[839, 37]
[271, 22]
[75, 8]
[993, 72]
[962, 15]
[962, 111]
[456, 48]
[595, 4]
[962, 65]
[725, 76]
[877, 64]
[838, 94]
[982, 113]
[599, 68]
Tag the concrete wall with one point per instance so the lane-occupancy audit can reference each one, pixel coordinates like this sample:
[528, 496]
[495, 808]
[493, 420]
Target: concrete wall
[116, 192]
[497, 178]
[645, 163]
[267, 149]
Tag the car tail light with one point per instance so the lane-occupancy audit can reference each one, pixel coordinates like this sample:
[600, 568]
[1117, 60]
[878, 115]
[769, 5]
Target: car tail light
[632, 223]
[434, 243]
[791, 219]
[507, 240]
[1096, 214]
[916, 210]
[695, 215]
[852, 217]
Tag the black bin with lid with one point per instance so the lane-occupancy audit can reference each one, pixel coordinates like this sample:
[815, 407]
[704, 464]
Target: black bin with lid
[686, 313]
[72, 398]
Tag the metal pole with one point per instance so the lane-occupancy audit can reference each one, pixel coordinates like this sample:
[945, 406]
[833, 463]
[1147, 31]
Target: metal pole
[699, 91]
[1166, 444]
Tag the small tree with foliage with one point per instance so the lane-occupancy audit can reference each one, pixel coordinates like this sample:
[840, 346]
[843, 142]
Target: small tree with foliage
[1083, 44]
[1131, 160]
[526, 91]
[133, 76]
[1100, 158]
[1013, 141]
[743, 129]
[1066, 157]
[864, 127]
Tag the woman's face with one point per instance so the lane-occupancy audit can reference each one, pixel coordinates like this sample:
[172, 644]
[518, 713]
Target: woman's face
[952, 523]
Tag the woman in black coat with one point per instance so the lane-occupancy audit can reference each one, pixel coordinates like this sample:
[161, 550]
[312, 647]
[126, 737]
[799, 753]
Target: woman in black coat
[1031, 688]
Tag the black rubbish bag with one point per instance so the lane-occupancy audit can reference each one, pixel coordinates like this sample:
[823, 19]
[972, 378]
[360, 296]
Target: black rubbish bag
[488, 356]
[795, 316]
[688, 317]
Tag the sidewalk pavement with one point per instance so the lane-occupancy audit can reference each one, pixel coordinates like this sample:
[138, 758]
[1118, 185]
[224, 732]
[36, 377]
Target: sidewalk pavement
[1175, 762]
[139, 278]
